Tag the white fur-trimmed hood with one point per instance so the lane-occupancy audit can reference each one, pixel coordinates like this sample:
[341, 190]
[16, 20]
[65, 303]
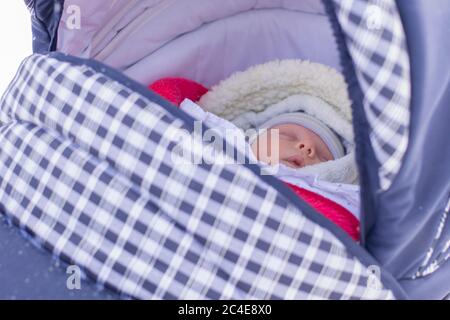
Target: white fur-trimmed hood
[252, 97]
[264, 85]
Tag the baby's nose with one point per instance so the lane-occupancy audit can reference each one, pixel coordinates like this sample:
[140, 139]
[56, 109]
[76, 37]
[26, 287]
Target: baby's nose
[307, 147]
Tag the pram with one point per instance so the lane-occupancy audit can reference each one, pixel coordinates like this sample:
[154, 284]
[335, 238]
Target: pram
[85, 168]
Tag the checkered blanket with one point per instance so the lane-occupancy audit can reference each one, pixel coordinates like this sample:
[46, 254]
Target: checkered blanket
[377, 45]
[85, 168]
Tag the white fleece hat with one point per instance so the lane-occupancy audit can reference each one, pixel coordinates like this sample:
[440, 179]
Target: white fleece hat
[318, 127]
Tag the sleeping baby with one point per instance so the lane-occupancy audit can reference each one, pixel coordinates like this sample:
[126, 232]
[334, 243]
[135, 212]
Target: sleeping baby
[300, 140]
[289, 140]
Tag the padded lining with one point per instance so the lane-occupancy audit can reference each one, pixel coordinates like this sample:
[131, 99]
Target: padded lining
[203, 40]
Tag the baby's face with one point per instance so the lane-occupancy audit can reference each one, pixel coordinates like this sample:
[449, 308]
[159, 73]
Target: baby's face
[297, 147]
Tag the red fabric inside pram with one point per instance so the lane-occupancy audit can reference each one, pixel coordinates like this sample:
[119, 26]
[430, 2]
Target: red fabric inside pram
[330, 209]
[176, 90]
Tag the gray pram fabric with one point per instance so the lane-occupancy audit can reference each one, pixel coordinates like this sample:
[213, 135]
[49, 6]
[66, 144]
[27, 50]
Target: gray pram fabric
[27, 271]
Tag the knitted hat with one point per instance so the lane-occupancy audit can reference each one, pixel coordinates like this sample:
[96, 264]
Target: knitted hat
[318, 127]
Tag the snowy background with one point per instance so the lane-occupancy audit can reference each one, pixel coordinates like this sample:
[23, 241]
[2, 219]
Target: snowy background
[15, 35]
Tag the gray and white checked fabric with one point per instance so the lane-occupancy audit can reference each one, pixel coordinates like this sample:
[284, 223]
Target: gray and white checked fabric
[376, 41]
[85, 166]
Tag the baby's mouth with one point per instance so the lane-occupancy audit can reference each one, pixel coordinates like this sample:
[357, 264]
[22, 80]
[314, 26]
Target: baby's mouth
[295, 161]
